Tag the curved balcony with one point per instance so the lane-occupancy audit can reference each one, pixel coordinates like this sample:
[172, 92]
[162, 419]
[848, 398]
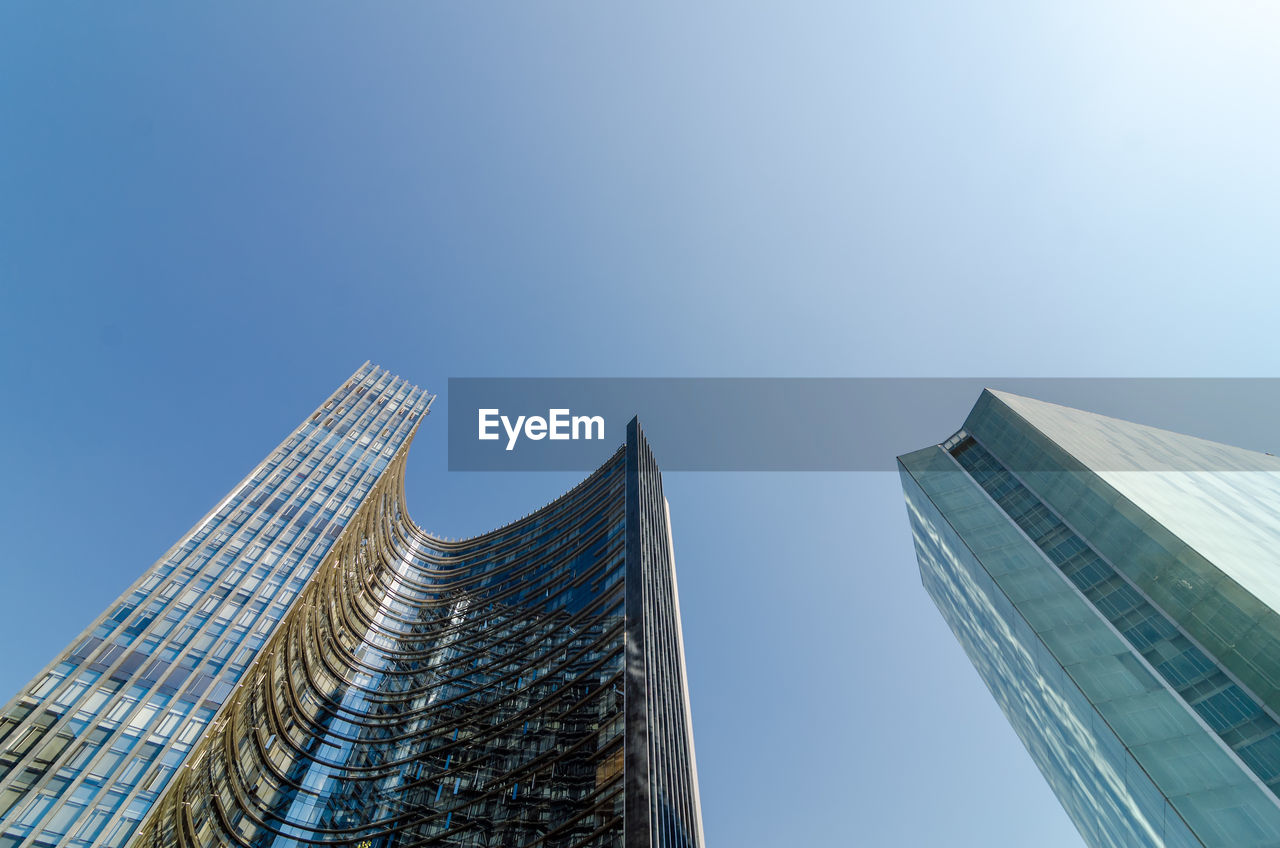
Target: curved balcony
[425, 692]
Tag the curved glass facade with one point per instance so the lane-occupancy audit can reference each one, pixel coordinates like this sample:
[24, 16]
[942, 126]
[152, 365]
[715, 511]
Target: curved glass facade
[417, 691]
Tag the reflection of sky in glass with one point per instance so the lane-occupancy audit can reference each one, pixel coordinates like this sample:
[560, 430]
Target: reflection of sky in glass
[1233, 713]
[1119, 748]
[324, 774]
[1230, 514]
[110, 721]
[1097, 781]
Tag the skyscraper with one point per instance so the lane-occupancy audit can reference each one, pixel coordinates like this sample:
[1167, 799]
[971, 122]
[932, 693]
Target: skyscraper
[1116, 586]
[308, 667]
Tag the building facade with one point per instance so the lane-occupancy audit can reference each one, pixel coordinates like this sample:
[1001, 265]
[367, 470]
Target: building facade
[309, 667]
[1116, 587]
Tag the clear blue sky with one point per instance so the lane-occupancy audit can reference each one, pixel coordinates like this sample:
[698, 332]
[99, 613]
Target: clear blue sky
[209, 216]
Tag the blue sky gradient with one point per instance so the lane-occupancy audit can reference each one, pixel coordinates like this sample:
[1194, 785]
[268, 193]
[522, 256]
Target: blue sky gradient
[210, 216]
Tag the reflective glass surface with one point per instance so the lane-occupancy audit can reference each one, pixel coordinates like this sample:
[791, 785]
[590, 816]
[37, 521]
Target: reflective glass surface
[1198, 544]
[1131, 761]
[1223, 501]
[1234, 714]
[464, 693]
[308, 667]
[87, 747]
[471, 693]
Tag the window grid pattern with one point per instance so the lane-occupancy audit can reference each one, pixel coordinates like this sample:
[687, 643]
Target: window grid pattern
[963, 541]
[425, 692]
[89, 745]
[1232, 713]
[308, 667]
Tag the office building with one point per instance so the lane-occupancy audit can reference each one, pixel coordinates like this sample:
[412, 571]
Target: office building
[309, 667]
[1116, 587]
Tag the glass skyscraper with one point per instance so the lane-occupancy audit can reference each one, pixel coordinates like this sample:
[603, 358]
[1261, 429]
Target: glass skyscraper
[1116, 586]
[308, 667]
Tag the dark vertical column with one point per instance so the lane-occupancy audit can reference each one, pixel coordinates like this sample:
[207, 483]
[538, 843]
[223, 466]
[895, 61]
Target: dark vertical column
[662, 803]
[636, 752]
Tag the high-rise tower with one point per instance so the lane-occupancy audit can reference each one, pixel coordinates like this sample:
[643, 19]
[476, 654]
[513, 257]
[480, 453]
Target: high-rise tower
[308, 667]
[1116, 586]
